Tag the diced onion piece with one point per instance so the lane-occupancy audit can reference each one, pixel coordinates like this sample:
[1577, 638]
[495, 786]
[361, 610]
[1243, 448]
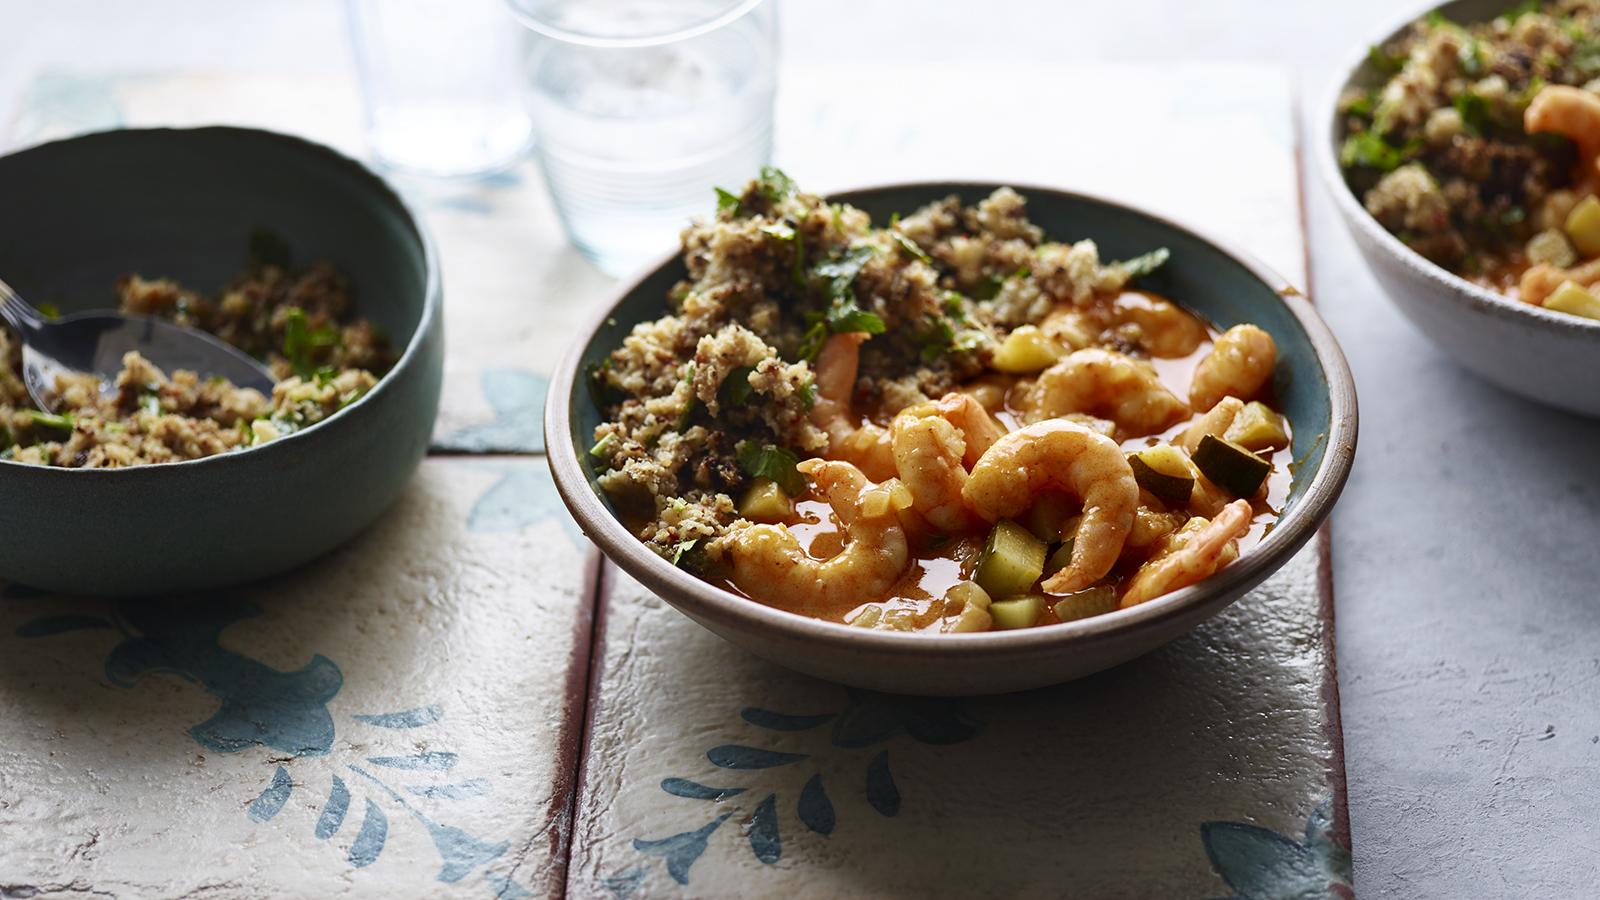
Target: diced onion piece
[1551, 248]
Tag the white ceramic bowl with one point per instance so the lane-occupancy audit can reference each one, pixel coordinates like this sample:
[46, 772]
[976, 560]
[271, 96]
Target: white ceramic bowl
[1546, 356]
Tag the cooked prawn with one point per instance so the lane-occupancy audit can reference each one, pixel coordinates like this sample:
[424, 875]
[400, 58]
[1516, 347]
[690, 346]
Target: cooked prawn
[1066, 456]
[1239, 365]
[1195, 552]
[769, 564]
[865, 444]
[1169, 330]
[934, 445]
[1109, 385]
[1542, 279]
[927, 454]
[1573, 113]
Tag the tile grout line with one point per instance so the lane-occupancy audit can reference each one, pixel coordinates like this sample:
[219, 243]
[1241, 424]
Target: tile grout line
[592, 659]
[1338, 777]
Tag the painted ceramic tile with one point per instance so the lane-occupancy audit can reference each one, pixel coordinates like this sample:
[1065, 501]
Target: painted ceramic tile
[1202, 766]
[396, 719]
[1207, 767]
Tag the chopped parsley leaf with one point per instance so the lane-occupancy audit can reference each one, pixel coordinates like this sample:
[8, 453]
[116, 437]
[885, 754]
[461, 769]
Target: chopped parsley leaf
[1385, 63]
[736, 389]
[1370, 150]
[1474, 111]
[681, 548]
[775, 185]
[301, 342]
[771, 462]
[841, 272]
[727, 203]
[845, 317]
[911, 247]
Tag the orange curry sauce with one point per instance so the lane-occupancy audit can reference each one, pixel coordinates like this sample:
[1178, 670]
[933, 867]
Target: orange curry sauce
[940, 562]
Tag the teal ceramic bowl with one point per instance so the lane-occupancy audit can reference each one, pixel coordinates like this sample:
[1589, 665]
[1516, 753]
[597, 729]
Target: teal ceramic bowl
[183, 203]
[1312, 382]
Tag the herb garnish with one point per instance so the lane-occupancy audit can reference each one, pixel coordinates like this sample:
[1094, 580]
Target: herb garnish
[845, 317]
[1386, 63]
[775, 185]
[1145, 263]
[65, 422]
[841, 273]
[300, 342]
[1474, 111]
[772, 462]
[736, 389]
[1370, 150]
[604, 447]
[727, 203]
[911, 247]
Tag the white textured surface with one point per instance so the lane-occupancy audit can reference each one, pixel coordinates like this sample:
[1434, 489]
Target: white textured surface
[1101, 784]
[116, 780]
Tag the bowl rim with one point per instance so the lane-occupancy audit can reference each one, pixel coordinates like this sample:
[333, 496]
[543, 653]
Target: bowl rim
[432, 300]
[1466, 293]
[705, 602]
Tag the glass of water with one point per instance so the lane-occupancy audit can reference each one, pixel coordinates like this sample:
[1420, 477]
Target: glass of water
[440, 83]
[641, 107]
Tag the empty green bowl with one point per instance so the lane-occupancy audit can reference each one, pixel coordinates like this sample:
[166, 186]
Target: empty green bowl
[183, 203]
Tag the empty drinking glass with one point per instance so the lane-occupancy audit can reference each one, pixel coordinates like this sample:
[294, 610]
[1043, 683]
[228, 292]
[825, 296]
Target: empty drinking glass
[641, 107]
[440, 82]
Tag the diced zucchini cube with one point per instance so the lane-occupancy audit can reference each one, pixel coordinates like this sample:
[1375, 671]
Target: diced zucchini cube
[1012, 560]
[1574, 299]
[1017, 612]
[1050, 511]
[765, 501]
[1257, 428]
[1083, 604]
[1025, 351]
[1060, 559]
[1583, 226]
[1164, 471]
[1230, 466]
